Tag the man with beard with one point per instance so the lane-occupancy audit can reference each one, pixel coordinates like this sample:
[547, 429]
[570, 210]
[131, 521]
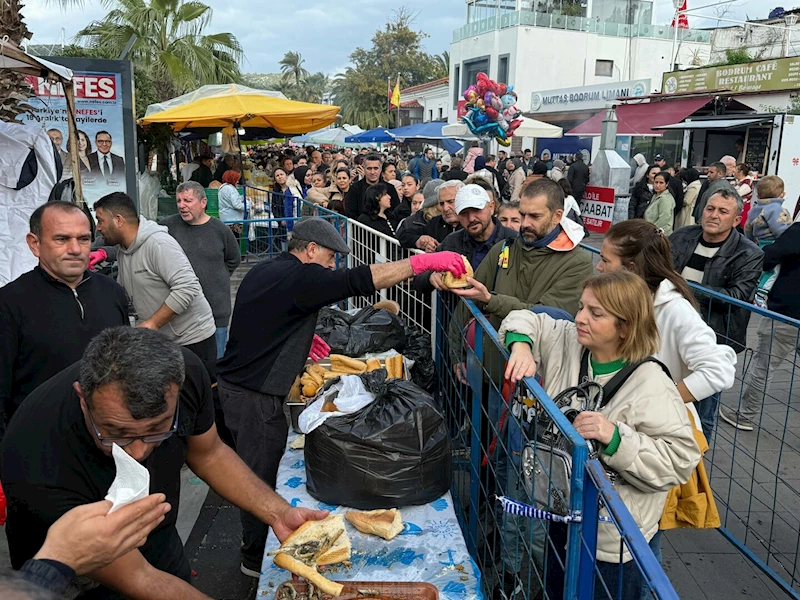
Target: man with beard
[543, 266]
[480, 230]
[355, 198]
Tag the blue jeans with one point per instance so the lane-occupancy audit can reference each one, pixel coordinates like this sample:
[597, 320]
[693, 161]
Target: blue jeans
[655, 547]
[707, 409]
[221, 337]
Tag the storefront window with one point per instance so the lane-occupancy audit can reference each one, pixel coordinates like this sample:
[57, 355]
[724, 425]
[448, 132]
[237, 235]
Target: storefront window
[472, 68]
[668, 145]
[630, 12]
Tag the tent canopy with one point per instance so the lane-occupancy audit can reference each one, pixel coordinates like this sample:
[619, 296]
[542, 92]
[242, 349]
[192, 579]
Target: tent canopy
[529, 128]
[209, 91]
[642, 119]
[378, 135]
[334, 136]
[432, 130]
[251, 109]
[15, 59]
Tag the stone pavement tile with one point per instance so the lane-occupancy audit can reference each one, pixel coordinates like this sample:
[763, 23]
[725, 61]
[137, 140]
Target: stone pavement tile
[726, 576]
[703, 541]
[778, 532]
[213, 552]
[679, 575]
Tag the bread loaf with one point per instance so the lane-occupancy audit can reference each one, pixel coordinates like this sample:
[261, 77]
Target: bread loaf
[453, 283]
[347, 365]
[394, 367]
[383, 523]
[321, 533]
[373, 364]
[284, 561]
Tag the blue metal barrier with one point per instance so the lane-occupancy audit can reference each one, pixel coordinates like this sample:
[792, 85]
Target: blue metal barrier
[515, 553]
[755, 474]
[598, 494]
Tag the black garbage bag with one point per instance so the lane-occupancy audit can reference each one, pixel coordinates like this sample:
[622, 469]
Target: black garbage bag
[369, 330]
[394, 452]
[333, 326]
[375, 331]
[418, 348]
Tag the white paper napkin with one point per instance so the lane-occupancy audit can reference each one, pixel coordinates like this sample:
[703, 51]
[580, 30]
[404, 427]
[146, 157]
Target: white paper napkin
[132, 482]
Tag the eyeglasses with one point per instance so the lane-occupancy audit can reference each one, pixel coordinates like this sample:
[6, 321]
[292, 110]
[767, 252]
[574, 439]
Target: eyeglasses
[109, 441]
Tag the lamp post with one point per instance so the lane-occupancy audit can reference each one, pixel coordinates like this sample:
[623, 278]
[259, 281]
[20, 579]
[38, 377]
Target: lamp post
[790, 21]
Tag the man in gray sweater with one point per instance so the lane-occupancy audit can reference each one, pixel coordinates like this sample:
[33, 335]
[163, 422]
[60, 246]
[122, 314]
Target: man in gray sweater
[212, 250]
[158, 278]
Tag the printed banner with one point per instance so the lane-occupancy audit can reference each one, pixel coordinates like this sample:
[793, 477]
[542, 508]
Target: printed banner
[761, 76]
[99, 119]
[597, 208]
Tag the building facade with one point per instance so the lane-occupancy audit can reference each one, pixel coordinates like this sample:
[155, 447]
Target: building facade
[539, 45]
[425, 102]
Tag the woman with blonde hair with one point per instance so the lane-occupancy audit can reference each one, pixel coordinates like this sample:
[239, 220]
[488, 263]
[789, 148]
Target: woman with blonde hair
[642, 432]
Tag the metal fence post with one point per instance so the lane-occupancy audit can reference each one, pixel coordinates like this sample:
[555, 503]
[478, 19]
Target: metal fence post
[588, 548]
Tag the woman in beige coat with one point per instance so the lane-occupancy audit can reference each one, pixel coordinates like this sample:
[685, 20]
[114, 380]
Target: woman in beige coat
[644, 433]
[692, 180]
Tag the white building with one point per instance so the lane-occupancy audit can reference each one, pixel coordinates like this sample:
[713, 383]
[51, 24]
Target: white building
[761, 38]
[425, 102]
[541, 45]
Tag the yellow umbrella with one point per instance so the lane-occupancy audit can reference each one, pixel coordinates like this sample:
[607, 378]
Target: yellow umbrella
[250, 111]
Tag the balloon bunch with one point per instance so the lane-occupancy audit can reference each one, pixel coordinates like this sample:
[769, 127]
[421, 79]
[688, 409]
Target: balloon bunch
[490, 109]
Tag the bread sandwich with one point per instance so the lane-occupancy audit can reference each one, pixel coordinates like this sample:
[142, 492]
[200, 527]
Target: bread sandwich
[457, 283]
[383, 523]
[313, 544]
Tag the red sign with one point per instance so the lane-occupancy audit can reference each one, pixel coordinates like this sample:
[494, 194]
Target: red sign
[462, 108]
[87, 87]
[597, 208]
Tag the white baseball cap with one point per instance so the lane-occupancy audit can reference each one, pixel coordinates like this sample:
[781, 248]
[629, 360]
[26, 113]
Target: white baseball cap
[471, 196]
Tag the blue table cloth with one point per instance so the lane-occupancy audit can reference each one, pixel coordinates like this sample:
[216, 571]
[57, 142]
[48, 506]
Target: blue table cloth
[431, 547]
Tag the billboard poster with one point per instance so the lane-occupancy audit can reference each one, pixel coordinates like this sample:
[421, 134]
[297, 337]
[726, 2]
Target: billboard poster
[597, 208]
[99, 119]
[760, 76]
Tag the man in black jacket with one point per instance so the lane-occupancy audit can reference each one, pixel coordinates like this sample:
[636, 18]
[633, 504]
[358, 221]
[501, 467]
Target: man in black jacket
[49, 315]
[480, 230]
[455, 171]
[264, 355]
[721, 259]
[776, 340]
[354, 199]
[578, 176]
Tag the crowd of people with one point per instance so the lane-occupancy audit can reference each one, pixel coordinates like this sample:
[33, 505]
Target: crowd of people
[76, 378]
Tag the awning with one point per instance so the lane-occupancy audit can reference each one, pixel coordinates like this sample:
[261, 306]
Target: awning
[717, 123]
[641, 119]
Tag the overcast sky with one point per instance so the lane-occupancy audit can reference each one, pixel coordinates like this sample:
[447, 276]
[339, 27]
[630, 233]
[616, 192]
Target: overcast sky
[325, 33]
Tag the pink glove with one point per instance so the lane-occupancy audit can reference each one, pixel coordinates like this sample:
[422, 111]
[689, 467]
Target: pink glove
[439, 262]
[319, 349]
[96, 257]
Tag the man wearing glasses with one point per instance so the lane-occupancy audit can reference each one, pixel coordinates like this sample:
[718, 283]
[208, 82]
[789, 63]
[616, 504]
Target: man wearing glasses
[103, 162]
[136, 389]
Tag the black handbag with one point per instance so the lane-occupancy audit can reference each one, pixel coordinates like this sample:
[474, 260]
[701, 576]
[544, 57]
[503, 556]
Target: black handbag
[547, 462]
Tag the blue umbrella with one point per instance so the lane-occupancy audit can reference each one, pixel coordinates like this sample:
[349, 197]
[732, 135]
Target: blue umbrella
[379, 135]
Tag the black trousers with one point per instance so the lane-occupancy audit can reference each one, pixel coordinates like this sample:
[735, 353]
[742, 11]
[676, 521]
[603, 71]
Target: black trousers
[259, 428]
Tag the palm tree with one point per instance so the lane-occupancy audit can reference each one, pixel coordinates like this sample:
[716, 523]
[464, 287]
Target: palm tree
[314, 87]
[441, 64]
[13, 87]
[361, 103]
[292, 68]
[169, 41]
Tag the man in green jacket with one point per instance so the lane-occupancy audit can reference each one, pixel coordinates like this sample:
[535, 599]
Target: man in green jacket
[543, 266]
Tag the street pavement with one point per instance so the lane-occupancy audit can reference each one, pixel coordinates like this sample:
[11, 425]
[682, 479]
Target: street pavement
[702, 565]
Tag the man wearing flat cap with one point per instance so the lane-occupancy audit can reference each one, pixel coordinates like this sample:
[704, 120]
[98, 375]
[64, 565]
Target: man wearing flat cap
[271, 332]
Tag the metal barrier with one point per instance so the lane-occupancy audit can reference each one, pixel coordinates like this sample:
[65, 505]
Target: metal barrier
[599, 495]
[367, 247]
[755, 475]
[495, 429]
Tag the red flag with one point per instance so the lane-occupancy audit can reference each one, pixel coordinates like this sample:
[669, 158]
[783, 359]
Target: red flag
[683, 18]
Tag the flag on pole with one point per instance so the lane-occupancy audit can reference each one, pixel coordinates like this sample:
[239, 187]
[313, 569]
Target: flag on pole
[683, 18]
[395, 101]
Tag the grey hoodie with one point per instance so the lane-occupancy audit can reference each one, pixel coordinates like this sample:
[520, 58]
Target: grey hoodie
[154, 270]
